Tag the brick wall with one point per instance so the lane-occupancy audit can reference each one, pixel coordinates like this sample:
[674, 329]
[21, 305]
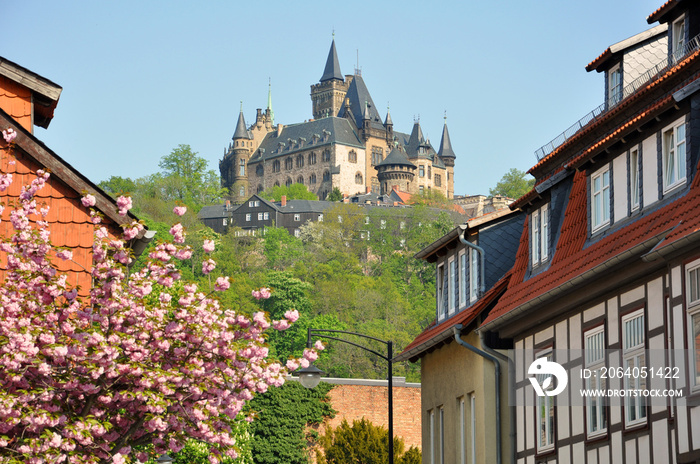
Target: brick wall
[354, 399]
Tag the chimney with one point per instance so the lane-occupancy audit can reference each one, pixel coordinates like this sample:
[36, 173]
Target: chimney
[395, 187]
[228, 205]
[284, 200]
[279, 129]
[369, 189]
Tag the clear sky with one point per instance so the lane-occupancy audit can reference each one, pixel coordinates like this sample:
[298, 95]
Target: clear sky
[141, 77]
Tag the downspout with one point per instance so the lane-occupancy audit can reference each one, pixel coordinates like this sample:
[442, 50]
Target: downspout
[511, 388]
[497, 366]
[482, 253]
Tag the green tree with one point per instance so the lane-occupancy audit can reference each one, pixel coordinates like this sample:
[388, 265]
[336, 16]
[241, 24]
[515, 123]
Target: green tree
[432, 198]
[293, 192]
[363, 442]
[513, 184]
[117, 185]
[286, 422]
[335, 195]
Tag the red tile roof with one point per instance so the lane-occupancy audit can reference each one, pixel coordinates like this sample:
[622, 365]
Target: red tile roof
[434, 335]
[662, 10]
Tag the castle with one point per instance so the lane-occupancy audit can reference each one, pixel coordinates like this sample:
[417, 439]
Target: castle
[346, 145]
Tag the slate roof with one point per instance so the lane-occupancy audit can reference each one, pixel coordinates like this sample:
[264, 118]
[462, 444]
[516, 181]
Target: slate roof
[339, 129]
[617, 49]
[445, 150]
[332, 69]
[396, 158]
[304, 206]
[241, 131]
[358, 95]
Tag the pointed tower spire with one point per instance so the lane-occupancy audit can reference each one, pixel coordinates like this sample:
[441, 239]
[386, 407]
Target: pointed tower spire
[269, 100]
[241, 132]
[332, 70]
[387, 121]
[445, 144]
[365, 113]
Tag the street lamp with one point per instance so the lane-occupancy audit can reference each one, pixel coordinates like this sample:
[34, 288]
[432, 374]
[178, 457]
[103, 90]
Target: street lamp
[165, 459]
[310, 376]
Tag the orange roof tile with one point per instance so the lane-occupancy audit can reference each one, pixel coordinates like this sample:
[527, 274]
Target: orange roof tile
[663, 9]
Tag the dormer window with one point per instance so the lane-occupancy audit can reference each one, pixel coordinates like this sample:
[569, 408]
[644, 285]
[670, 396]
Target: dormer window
[674, 155]
[600, 198]
[678, 37]
[539, 226]
[614, 85]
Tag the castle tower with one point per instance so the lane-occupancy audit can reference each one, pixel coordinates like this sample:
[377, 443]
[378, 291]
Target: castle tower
[328, 95]
[396, 171]
[234, 166]
[448, 158]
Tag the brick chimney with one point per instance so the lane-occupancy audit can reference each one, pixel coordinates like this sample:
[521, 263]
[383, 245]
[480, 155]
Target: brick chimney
[284, 200]
[369, 189]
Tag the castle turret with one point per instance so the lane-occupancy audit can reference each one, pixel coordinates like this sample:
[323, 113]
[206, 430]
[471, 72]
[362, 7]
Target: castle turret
[396, 171]
[234, 166]
[328, 95]
[448, 158]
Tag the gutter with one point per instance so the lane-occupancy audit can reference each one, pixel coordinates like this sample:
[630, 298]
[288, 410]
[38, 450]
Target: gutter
[660, 251]
[497, 366]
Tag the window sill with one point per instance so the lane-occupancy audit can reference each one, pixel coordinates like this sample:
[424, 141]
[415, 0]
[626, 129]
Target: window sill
[674, 188]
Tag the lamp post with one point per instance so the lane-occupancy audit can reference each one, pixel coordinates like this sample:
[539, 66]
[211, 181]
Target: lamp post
[310, 376]
[164, 459]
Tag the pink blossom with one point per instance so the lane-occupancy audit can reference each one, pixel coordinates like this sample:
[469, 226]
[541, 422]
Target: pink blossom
[292, 315]
[280, 325]
[319, 345]
[88, 200]
[222, 284]
[64, 254]
[208, 266]
[9, 135]
[311, 355]
[124, 204]
[292, 365]
[208, 246]
[180, 210]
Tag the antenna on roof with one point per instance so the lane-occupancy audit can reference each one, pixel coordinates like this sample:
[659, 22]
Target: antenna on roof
[358, 71]
[241, 106]
[445, 117]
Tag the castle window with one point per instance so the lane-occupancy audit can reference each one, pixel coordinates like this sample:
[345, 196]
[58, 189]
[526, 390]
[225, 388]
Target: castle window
[259, 170]
[429, 175]
[421, 171]
[312, 157]
[288, 163]
[241, 168]
[358, 178]
[288, 182]
[241, 191]
[276, 166]
[326, 175]
[277, 183]
[300, 180]
[352, 156]
[326, 155]
[300, 161]
[312, 179]
[438, 179]
[377, 155]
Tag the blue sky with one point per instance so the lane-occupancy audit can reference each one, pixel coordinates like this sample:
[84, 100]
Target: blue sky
[141, 77]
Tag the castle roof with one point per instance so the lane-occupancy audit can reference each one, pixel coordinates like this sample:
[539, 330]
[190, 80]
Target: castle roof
[446, 145]
[397, 158]
[361, 101]
[332, 70]
[241, 132]
[302, 137]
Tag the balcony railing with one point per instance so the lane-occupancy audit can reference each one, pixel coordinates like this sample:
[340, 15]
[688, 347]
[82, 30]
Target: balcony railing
[649, 76]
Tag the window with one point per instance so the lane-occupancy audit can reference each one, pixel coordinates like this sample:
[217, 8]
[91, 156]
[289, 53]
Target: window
[300, 180]
[540, 236]
[634, 179]
[429, 172]
[297, 233]
[596, 412]
[358, 178]
[674, 156]
[260, 188]
[288, 182]
[382, 223]
[473, 275]
[421, 171]
[326, 176]
[420, 189]
[442, 436]
[259, 170]
[266, 216]
[251, 204]
[442, 291]
[432, 436]
[297, 217]
[248, 217]
[241, 168]
[312, 179]
[438, 180]
[600, 198]
[320, 218]
[463, 279]
[312, 157]
[545, 414]
[614, 85]
[453, 278]
[366, 219]
[276, 166]
[462, 432]
[260, 216]
[678, 37]
[256, 203]
[472, 420]
[225, 222]
[288, 163]
[241, 192]
[352, 156]
[300, 161]
[326, 155]
[377, 155]
[633, 340]
[693, 299]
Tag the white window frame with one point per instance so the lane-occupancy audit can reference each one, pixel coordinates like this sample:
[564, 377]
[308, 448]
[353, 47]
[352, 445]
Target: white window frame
[452, 269]
[692, 276]
[614, 85]
[431, 413]
[462, 278]
[248, 217]
[440, 282]
[600, 198]
[297, 217]
[633, 355]
[297, 233]
[442, 435]
[673, 155]
[678, 35]
[472, 420]
[542, 403]
[473, 275]
[596, 407]
[320, 218]
[462, 431]
[225, 222]
[539, 244]
[266, 216]
[635, 179]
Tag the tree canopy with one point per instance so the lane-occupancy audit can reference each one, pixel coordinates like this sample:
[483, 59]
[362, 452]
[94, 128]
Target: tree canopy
[293, 192]
[513, 184]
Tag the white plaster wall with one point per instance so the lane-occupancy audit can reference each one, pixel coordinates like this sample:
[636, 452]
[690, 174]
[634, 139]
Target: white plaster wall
[650, 168]
[619, 167]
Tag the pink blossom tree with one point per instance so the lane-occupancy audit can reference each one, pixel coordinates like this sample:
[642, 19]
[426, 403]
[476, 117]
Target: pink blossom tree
[144, 359]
